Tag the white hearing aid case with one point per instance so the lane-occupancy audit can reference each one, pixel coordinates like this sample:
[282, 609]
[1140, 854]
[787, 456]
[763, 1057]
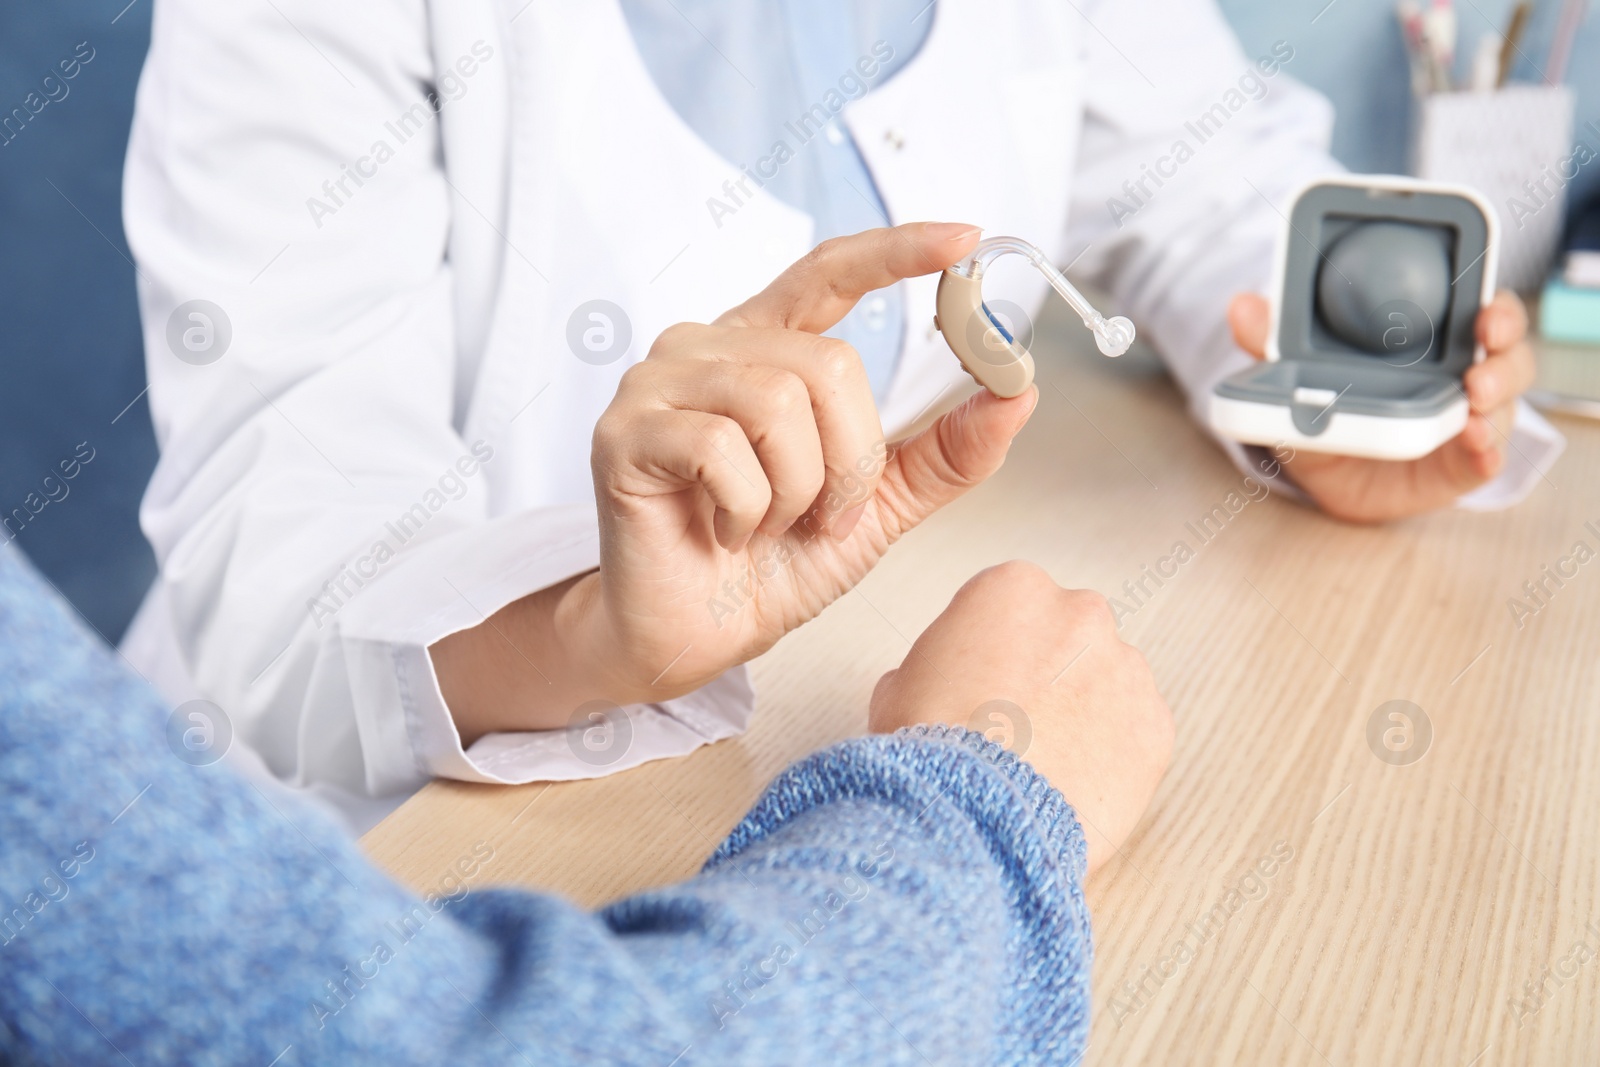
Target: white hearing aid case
[1379, 281]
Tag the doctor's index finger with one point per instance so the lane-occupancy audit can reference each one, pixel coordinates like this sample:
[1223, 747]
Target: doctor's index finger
[821, 288]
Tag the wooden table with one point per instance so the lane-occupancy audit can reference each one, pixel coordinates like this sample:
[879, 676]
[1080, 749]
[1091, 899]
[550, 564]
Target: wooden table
[1424, 897]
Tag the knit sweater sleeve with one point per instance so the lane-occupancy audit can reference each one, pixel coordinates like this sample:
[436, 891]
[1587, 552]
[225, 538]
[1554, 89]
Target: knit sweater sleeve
[909, 899]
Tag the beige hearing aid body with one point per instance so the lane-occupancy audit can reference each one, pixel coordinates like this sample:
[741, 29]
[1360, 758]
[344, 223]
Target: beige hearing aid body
[987, 351]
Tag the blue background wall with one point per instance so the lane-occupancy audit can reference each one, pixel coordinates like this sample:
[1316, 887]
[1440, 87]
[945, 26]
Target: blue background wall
[70, 353]
[71, 368]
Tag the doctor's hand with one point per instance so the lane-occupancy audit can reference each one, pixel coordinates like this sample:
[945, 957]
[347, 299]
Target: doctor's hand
[1016, 651]
[1373, 490]
[743, 484]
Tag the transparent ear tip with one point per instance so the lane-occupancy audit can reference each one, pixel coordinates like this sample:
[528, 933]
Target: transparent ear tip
[1114, 336]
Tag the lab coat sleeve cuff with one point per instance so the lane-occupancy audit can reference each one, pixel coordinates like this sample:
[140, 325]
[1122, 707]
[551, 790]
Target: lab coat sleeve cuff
[1531, 450]
[590, 748]
[453, 583]
[1258, 462]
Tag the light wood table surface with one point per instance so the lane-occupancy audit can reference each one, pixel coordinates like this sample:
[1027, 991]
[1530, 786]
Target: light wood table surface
[1421, 898]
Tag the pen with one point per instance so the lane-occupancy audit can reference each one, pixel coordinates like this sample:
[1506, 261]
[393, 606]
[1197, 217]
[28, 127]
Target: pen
[1410, 19]
[1439, 27]
[1485, 73]
[1555, 68]
[1514, 32]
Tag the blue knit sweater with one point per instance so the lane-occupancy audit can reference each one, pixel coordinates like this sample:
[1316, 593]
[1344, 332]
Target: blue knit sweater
[911, 899]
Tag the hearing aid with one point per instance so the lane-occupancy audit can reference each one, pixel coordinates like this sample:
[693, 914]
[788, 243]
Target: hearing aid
[984, 345]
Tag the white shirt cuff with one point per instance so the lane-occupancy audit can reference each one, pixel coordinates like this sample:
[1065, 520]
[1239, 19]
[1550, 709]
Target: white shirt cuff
[652, 731]
[1531, 450]
[453, 583]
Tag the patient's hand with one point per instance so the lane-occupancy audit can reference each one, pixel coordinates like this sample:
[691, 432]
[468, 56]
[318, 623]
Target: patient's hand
[743, 485]
[1093, 722]
[1373, 490]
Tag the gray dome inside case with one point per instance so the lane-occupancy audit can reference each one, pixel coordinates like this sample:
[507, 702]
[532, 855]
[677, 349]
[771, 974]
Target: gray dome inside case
[1379, 263]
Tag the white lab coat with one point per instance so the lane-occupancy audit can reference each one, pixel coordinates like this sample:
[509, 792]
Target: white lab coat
[399, 372]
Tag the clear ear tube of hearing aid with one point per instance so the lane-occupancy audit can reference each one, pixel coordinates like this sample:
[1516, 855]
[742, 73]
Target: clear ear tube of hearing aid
[1113, 336]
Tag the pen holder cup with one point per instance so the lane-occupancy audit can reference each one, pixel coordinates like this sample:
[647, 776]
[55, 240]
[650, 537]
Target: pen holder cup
[1514, 145]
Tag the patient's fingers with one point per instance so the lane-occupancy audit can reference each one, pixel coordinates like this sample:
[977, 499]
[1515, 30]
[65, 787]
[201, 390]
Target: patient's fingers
[656, 453]
[821, 288]
[773, 408]
[845, 414]
[1250, 317]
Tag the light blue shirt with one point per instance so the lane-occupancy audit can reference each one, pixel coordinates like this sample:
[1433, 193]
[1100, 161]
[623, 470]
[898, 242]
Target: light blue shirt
[746, 75]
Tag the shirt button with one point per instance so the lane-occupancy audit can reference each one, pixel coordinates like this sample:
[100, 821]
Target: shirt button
[876, 313]
[895, 139]
[832, 132]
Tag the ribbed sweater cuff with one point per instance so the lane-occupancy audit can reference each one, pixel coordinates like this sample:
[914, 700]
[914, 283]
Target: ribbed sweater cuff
[1058, 822]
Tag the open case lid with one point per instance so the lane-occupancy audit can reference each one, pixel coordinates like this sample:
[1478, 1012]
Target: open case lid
[1417, 317]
